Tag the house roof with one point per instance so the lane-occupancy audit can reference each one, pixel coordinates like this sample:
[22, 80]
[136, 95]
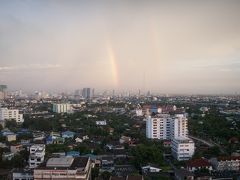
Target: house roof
[198, 163]
[229, 158]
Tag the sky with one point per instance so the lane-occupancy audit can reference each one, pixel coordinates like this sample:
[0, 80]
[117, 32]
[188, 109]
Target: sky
[162, 46]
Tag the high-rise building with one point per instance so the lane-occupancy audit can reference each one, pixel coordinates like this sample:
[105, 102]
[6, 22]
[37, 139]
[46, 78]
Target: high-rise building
[164, 126]
[3, 89]
[9, 114]
[158, 127]
[86, 93]
[62, 108]
[93, 93]
[174, 128]
[179, 127]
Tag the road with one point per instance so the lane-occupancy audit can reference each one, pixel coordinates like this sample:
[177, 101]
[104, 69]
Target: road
[210, 144]
[202, 141]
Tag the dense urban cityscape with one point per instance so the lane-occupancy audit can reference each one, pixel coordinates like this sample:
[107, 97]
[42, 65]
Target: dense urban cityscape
[84, 135]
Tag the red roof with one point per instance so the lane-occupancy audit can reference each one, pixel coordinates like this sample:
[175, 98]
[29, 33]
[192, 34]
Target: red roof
[198, 163]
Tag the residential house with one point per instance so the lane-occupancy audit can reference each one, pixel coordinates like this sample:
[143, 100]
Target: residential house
[55, 138]
[68, 134]
[107, 163]
[226, 163]
[125, 139]
[199, 164]
[150, 168]
[22, 174]
[7, 156]
[73, 153]
[16, 148]
[101, 123]
[11, 137]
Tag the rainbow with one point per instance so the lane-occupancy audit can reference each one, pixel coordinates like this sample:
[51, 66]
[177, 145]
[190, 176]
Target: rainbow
[113, 64]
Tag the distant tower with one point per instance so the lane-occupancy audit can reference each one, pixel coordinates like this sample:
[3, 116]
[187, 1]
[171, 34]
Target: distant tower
[3, 89]
[86, 93]
[93, 92]
[113, 93]
[148, 93]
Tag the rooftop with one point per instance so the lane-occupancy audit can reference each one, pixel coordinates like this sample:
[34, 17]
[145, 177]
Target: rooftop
[198, 163]
[183, 140]
[65, 162]
[60, 162]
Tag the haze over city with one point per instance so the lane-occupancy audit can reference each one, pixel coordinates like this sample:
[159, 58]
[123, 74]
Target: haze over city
[162, 46]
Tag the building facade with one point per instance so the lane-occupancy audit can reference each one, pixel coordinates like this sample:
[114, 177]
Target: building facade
[182, 148]
[64, 168]
[37, 153]
[86, 93]
[62, 108]
[11, 114]
[226, 163]
[179, 126]
[163, 126]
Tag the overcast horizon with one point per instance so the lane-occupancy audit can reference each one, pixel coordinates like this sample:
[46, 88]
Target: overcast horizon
[180, 47]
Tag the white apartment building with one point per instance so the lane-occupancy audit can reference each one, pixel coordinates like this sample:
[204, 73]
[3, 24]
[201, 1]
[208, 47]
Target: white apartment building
[62, 108]
[37, 153]
[9, 114]
[163, 126]
[182, 148]
[179, 126]
[158, 127]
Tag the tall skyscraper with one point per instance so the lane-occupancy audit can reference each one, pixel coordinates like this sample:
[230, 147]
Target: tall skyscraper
[86, 93]
[93, 92]
[166, 127]
[3, 89]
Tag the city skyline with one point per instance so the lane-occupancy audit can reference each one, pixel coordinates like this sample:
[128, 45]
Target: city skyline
[165, 47]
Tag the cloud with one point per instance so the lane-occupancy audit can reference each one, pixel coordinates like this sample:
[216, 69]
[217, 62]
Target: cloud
[30, 67]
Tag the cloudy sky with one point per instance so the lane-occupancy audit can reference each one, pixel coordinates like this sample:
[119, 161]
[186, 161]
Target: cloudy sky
[162, 46]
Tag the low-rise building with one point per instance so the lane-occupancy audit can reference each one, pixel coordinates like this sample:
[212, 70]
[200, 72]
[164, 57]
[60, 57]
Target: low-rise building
[125, 139]
[150, 168]
[55, 138]
[101, 123]
[199, 164]
[68, 134]
[7, 156]
[11, 137]
[37, 153]
[62, 108]
[64, 168]
[9, 114]
[108, 163]
[182, 148]
[16, 148]
[226, 163]
[22, 174]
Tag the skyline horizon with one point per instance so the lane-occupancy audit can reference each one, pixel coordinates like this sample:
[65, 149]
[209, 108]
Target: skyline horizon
[120, 91]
